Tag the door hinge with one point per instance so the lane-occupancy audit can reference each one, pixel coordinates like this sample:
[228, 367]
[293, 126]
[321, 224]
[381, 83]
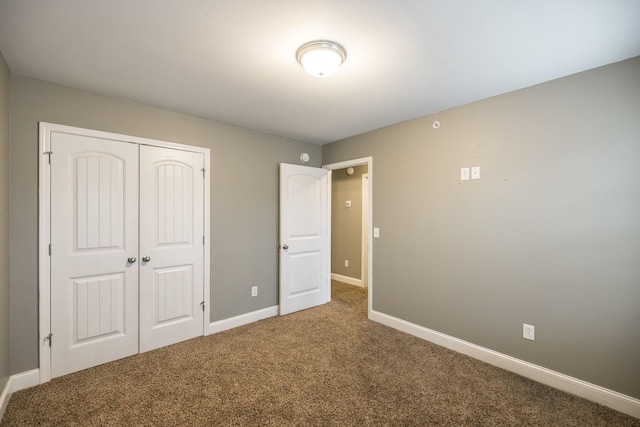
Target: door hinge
[203, 240]
[202, 305]
[49, 338]
[48, 154]
[49, 249]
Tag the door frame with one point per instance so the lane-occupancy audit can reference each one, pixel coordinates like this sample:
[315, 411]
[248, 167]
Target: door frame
[44, 226]
[364, 254]
[353, 163]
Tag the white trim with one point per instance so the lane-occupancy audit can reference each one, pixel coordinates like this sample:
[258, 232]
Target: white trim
[44, 260]
[580, 388]
[15, 383]
[364, 243]
[243, 319]
[25, 380]
[329, 227]
[4, 397]
[352, 163]
[346, 279]
[207, 247]
[44, 226]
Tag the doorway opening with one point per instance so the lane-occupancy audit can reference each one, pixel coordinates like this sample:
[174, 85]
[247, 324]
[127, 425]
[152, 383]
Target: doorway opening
[357, 175]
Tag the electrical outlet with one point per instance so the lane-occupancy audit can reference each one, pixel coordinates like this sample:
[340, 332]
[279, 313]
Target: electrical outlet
[464, 174]
[346, 263]
[528, 332]
[254, 291]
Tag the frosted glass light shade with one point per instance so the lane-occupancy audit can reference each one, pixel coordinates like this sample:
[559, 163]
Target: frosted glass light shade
[321, 58]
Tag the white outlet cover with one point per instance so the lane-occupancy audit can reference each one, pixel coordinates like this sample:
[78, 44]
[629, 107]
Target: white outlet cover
[464, 174]
[528, 332]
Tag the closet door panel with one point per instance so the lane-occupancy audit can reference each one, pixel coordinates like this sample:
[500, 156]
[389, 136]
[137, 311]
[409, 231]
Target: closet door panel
[171, 246]
[94, 235]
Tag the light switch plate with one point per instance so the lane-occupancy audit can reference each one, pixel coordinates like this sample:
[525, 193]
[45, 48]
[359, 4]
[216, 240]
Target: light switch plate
[464, 174]
[528, 332]
[376, 232]
[475, 172]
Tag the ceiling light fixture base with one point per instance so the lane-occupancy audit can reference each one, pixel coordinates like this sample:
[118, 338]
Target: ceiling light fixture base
[321, 58]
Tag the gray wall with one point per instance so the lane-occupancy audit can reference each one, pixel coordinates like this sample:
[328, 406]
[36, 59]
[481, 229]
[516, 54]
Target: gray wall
[4, 223]
[346, 223]
[549, 235]
[244, 196]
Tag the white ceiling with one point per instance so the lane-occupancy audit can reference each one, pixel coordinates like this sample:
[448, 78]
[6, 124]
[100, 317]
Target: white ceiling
[234, 61]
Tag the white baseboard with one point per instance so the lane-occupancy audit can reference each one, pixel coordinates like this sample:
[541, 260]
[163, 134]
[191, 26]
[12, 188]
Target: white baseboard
[346, 279]
[612, 399]
[25, 380]
[4, 397]
[16, 383]
[243, 319]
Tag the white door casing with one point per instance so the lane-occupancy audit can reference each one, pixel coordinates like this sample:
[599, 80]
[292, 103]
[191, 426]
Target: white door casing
[171, 246]
[304, 237]
[94, 231]
[80, 237]
[364, 253]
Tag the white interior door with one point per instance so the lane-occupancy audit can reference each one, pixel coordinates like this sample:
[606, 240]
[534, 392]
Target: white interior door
[94, 232]
[126, 268]
[171, 246]
[304, 238]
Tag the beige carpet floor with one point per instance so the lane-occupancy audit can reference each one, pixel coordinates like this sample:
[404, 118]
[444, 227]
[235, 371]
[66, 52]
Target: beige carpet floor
[327, 366]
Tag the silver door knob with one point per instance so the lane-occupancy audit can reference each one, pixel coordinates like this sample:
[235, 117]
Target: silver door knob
[131, 260]
[285, 246]
[146, 258]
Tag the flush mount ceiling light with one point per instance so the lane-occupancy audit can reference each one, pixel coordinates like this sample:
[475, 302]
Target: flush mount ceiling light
[321, 58]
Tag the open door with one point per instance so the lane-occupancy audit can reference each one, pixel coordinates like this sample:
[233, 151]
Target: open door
[304, 237]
